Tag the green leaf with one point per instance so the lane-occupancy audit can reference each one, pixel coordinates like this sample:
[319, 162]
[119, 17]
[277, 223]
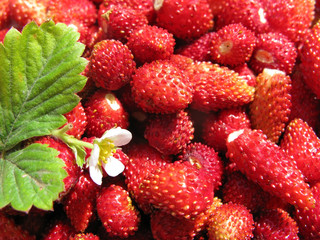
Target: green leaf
[31, 176]
[39, 76]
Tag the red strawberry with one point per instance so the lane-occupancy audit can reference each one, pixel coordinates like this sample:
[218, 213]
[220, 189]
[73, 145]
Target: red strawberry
[79, 204]
[25, 11]
[249, 13]
[166, 226]
[308, 220]
[111, 64]
[77, 12]
[265, 163]
[232, 45]
[148, 43]
[238, 189]
[104, 111]
[66, 154]
[10, 230]
[302, 144]
[119, 21]
[178, 189]
[170, 133]
[305, 105]
[84, 236]
[198, 49]
[143, 159]
[310, 63]
[5, 13]
[161, 87]
[185, 19]
[206, 160]
[276, 224]
[291, 18]
[231, 221]
[181, 61]
[59, 230]
[275, 51]
[218, 87]
[270, 109]
[77, 117]
[217, 126]
[245, 72]
[117, 212]
[143, 6]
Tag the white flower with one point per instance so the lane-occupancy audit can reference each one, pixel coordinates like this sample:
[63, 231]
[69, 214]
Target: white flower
[102, 154]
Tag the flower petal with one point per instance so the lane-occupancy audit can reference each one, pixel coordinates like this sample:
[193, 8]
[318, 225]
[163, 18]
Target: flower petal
[118, 135]
[96, 174]
[94, 157]
[113, 167]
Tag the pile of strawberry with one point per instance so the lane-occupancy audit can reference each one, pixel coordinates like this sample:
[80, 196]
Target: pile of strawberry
[221, 97]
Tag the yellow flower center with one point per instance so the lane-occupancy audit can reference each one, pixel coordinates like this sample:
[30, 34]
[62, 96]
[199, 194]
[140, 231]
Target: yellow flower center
[107, 149]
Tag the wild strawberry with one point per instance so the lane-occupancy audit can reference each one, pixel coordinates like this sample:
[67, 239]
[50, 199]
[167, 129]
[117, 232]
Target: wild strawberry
[76, 12]
[310, 65]
[89, 36]
[265, 163]
[291, 18]
[79, 203]
[77, 117]
[10, 230]
[246, 73]
[161, 87]
[166, 226]
[308, 219]
[275, 51]
[198, 49]
[276, 224]
[148, 43]
[305, 105]
[143, 159]
[25, 11]
[232, 45]
[84, 236]
[217, 126]
[270, 109]
[218, 87]
[119, 21]
[67, 155]
[230, 221]
[170, 133]
[5, 13]
[250, 14]
[301, 143]
[111, 64]
[104, 111]
[143, 6]
[206, 160]
[182, 62]
[185, 19]
[59, 229]
[238, 189]
[116, 211]
[178, 189]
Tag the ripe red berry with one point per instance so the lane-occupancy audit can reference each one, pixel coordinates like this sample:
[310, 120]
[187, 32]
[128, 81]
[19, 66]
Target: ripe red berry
[231, 221]
[275, 51]
[148, 43]
[104, 111]
[185, 19]
[161, 87]
[170, 133]
[265, 163]
[232, 45]
[270, 108]
[116, 211]
[111, 64]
